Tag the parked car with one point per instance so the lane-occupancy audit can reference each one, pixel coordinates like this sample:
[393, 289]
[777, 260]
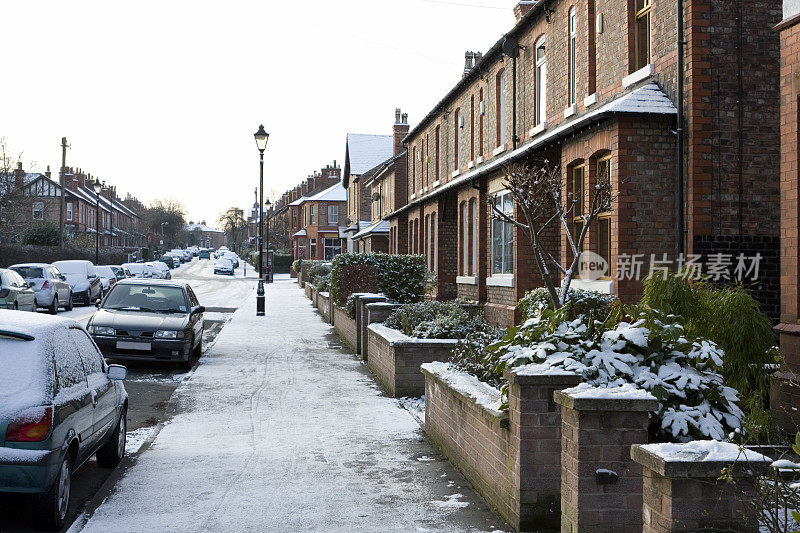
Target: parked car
[140, 270]
[161, 270]
[170, 260]
[107, 277]
[82, 278]
[51, 287]
[204, 254]
[153, 320]
[60, 404]
[15, 293]
[179, 254]
[233, 257]
[223, 266]
[119, 272]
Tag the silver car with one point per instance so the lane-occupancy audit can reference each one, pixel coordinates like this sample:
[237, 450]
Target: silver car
[51, 287]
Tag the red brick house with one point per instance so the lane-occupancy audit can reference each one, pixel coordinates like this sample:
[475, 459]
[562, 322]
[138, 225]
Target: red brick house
[595, 89]
[320, 218]
[785, 393]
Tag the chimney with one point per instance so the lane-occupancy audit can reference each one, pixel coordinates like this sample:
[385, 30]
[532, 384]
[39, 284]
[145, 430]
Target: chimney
[469, 62]
[521, 9]
[19, 175]
[47, 172]
[400, 130]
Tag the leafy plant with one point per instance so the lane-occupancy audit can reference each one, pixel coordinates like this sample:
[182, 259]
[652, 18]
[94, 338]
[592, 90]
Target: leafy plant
[319, 275]
[579, 303]
[297, 264]
[436, 320]
[43, 233]
[401, 278]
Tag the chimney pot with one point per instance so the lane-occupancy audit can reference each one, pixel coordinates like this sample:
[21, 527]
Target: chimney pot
[522, 8]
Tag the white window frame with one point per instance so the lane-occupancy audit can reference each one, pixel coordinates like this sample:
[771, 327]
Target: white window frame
[69, 211]
[473, 207]
[333, 215]
[457, 147]
[465, 238]
[38, 207]
[505, 251]
[541, 82]
[502, 112]
[312, 214]
[572, 56]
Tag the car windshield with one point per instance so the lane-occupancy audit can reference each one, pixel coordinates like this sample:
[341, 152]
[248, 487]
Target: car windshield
[153, 298]
[28, 272]
[24, 377]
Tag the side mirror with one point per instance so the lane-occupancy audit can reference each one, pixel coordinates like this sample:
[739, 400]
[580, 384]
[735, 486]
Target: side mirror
[97, 304]
[199, 309]
[117, 372]
[62, 277]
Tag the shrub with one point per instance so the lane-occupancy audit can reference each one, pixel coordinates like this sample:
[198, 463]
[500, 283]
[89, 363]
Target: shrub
[350, 306]
[579, 303]
[729, 317]
[436, 320]
[470, 354]
[401, 278]
[319, 275]
[651, 352]
[296, 265]
[42, 233]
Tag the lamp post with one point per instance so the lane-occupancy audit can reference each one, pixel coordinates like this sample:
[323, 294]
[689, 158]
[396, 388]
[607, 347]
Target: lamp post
[261, 142]
[97, 186]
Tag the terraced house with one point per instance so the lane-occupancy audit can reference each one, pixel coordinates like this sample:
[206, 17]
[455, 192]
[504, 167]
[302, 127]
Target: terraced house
[595, 87]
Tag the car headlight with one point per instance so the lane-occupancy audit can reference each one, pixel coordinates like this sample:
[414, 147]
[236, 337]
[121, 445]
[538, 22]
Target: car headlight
[168, 334]
[102, 330]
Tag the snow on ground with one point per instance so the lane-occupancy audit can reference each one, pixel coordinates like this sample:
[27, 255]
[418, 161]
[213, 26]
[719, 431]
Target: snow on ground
[135, 438]
[415, 406]
[276, 430]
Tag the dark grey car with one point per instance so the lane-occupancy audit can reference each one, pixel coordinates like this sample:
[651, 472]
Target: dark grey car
[149, 320]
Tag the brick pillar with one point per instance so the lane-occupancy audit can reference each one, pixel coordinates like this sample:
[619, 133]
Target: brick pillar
[361, 326]
[682, 491]
[535, 426]
[601, 486]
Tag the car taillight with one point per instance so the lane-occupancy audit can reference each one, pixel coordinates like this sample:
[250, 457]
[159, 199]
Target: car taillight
[32, 426]
[46, 284]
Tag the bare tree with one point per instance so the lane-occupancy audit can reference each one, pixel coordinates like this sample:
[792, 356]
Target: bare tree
[536, 189]
[15, 206]
[234, 225]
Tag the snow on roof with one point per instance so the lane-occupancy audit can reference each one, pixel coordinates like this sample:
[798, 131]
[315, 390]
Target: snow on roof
[202, 227]
[299, 200]
[334, 193]
[646, 99]
[368, 151]
[301, 233]
[705, 451]
[381, 226]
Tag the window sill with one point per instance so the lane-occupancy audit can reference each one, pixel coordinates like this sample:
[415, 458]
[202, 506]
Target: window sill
[471, 164]
[467, 280]
[500, 280]
[479, 160]
[435, 183]
[412, 196]
[604, 286]
[590, 100]
[536, 130]
[571, 110]
[455, 173]
[425, 190]
[641, 74]
[499, 150]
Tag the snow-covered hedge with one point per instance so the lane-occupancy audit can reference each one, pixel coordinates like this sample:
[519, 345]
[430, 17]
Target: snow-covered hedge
[400, 277]
[579, 303]
[651, 352]
[436, 320]
[319, 275]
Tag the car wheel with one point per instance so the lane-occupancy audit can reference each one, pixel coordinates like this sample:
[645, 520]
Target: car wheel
[112, 452]
[69, 305]
[198, 350]
[53, 309]
[52, 506]
[187, 365]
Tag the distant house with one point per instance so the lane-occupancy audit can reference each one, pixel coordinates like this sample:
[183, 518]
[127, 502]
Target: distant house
[204, 236]
[319, 220]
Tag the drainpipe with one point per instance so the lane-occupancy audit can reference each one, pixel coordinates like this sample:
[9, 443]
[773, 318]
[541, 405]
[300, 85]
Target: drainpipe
[682, 233]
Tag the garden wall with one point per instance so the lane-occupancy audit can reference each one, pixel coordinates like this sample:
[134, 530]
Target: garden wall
[324, 305]
[344, 326]
[11, 254]
[396, 358]
[307, 287]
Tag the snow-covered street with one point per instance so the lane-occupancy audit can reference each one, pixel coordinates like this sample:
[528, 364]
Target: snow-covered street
[281, 429]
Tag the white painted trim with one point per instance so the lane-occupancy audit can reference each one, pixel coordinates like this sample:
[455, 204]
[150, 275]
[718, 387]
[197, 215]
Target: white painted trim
[467, 280]
[539, 128]
[571, 110]
[425, 189]
[435, 183]
[605, 286]
[455, 173]
[590, 100]
[499, 150]
[500, 280]
[479, 160]
[471, 164]
[641, 74]
[413, 195]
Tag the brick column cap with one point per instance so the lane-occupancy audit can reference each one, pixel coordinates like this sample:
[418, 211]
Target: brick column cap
[541, 374]
[367, 295]
[703, 459]
[384, 304]
[624, 398]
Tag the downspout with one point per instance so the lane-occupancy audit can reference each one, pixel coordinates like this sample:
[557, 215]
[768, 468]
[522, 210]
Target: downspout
[740, 111]
[514, 102]
[682, 233]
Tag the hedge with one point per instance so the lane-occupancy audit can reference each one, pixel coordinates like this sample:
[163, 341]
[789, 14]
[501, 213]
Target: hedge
[11, 254]
[401, 278]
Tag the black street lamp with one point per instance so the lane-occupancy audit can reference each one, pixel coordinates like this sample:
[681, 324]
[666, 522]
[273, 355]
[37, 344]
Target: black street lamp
[261, 142]
[97, 186]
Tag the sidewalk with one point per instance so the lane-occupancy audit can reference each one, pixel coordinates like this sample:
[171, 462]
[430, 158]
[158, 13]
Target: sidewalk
[280, 429]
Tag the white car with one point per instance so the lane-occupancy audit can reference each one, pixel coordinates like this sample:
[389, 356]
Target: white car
[52, 289]
[107, 277]
[223, 266]
[140, 270]
[160, 270]
[233, 258]
[83, 279]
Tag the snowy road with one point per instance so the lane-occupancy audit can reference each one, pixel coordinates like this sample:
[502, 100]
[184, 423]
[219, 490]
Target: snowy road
[280, 429]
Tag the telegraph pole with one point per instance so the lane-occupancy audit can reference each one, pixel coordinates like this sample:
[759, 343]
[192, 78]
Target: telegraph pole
[63, 183]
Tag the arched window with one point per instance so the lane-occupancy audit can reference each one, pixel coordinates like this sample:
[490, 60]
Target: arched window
[414, 187]
[501, 107]
[473, 209]
[472, 128]
[482, 113]
[438, 149]
[458, 126]
[572, 55]
[464, 240]
[541, 82]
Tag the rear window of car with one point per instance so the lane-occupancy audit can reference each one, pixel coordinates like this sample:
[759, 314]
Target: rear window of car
[29, 272]
[105, 271]
[146, 297]
[72, 268]
[26, 374]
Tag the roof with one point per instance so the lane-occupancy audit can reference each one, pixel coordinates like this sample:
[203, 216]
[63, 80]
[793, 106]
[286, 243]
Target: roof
[379, 170]
[366, 151]
[355, 226]
[381, 227]
[335, 193]
[299, 200]
[648, 99]
[301, 233]
[202, 227]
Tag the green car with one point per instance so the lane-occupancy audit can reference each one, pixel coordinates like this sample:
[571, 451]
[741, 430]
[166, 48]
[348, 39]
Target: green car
[15, 292]
[60, 404]
[172, 262]
[204, 254]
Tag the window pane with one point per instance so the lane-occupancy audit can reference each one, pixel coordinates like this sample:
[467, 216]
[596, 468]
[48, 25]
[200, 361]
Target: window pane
[604, 240]
[497, 246]
[508, 251]
[643, 40]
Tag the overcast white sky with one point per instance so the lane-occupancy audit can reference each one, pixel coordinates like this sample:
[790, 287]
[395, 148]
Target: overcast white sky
[161, 98]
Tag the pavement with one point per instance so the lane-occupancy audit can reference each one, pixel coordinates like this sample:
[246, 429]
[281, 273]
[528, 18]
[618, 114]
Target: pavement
[280, 428]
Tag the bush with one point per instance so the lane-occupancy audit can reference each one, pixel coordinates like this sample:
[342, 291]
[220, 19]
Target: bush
[42, 233]
[579, 303]
[401, 278]
[651, 352]
[350, 306]
[470, 354]
[296, 265]
[436, 320]
[319, 275]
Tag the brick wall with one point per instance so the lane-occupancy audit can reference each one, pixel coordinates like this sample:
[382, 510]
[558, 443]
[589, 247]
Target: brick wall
[345, 327]
[324, 305]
